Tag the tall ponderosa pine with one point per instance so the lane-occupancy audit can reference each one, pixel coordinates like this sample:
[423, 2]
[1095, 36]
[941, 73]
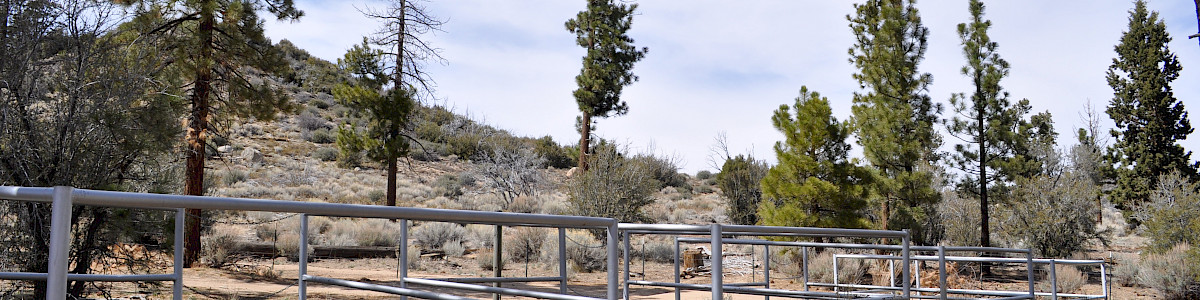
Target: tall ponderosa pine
[894, 118]
[213, 42]
[388, 111]
[997, 138]
[607, 67]
[1149, 120]
[814, 184]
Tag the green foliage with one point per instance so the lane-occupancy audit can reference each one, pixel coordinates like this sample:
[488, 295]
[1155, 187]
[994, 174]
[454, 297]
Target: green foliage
[740, 181]
[386, 112]
[1053, 214]
[1172, 214]
[894, 118]
[997, 140]
[326, 154]
[614, 187]
[556, 156]
[1149, 119]
[704, 174]
[607, 67]
[447, 185]
[814, 184]
[321, 136]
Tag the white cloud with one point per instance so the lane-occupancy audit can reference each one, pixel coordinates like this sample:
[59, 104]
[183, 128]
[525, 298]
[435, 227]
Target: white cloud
[719, 66]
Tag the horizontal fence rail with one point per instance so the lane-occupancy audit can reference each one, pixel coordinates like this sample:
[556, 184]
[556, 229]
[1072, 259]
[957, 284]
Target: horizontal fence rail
[617, 243]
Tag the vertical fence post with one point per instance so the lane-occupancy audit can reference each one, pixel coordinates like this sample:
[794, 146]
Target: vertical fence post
[717, 268]
[836, 285]
[1103, 280]
[1053, 281]
[177, 290]
[625, 262]
[302, 269]
[562, 260]
[60, 243]
[403, 269]
[942, 272]
[498, 259]
[804, 265]
[676, 275]
[612, 261]
[904, 275]
[1029, 269]
[767, 267]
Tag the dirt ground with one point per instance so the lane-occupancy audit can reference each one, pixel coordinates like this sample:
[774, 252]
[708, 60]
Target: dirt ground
[276, 279]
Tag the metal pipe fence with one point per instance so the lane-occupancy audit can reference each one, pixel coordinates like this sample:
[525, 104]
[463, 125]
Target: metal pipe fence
[617, 239]
[63, 198]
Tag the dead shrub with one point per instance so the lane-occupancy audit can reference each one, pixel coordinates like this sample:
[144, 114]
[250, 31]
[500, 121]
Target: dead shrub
[221, 246]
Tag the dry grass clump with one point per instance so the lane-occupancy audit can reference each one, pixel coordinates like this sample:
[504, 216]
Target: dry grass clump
[820, 268]
[363, 232]
[583, 250]
[433, 235]
[656, 251]
[1069, 278]
[480, 236]
[524, 244]
[1171, 274]
[487, 261]
[1126, 270]
[221, 246]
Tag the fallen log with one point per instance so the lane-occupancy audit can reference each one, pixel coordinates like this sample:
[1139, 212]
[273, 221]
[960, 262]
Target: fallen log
[269, 250]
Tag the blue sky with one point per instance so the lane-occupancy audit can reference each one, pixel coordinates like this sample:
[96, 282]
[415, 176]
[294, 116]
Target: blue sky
[725, 66]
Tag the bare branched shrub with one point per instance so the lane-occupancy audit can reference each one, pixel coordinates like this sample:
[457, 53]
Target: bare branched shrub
[960, 218]
[221, 246]
[510, 169]
[524, 244]
[1172, 216]
[613, 187]
[435, 234]
[1055, 215]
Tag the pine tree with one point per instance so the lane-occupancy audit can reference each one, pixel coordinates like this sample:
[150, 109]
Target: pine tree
[1149, 120]
[894, 118]
[386, 112]
[607, 67]
[1000, 144]
[740, 182]
[814, 184]
[212, 41]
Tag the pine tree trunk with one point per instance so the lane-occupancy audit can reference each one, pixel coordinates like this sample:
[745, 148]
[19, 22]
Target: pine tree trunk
[197, 125]
[585, 137]
[391, 182]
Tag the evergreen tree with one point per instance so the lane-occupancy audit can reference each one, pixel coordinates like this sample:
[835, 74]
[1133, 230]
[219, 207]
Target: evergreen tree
[814, 184]
[607, 67]
[1000, 145]
[212, 42]
[894, 118]
[1149, 120]
[740, 182]
[386, 112]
